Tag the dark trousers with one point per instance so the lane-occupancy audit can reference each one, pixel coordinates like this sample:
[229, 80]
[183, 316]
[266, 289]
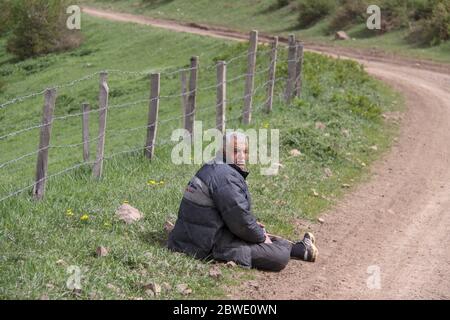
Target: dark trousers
[271, 256]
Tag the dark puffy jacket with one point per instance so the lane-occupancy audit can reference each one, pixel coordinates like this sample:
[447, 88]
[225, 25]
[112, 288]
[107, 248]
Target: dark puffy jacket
[215, 218]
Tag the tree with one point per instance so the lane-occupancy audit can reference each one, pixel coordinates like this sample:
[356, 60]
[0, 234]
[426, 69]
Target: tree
[40, 28]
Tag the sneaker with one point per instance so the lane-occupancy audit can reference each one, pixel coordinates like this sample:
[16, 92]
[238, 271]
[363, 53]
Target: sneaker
[305, 249]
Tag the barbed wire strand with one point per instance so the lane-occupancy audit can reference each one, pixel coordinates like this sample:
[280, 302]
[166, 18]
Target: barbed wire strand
[128, 104]
[117, 153]
[255, 90]
[90, 76]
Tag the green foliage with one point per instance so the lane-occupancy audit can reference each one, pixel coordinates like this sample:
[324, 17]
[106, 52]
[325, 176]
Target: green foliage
[2, 86]
[434, 25]
[39, 28]
[32, 66]
[311, 11]
[348, 13]
[360, 105]
[428, 21]
[312, 143]
[5, 15]
[283, 3]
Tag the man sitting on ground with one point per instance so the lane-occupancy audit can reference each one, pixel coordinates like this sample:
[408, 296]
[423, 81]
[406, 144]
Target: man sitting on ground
[215, 219]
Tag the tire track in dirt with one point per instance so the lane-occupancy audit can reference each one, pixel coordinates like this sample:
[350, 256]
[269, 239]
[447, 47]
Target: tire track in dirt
[399, 221]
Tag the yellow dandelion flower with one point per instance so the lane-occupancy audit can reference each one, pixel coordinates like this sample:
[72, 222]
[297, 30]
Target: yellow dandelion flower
[161, 182]
[84, 217]
[151, 182]
[265, 125]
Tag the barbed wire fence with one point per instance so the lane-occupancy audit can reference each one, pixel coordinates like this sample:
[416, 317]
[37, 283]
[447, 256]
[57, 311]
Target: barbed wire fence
[187, 96]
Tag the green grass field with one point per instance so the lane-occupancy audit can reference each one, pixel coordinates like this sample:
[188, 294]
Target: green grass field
[39, 240]
[264, 16]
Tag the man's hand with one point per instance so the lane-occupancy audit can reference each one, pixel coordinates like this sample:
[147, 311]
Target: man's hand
[265, 233]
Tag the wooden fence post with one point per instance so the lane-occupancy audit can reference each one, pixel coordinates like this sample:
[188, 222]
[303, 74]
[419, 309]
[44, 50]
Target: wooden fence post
[152, 115]
[44, 142]
[299, 69]
[189, 115]
[292, 67]
[103, 110]
[249, 81]
[221, 95]
[272, 74]
[85, 108]
[184, 95]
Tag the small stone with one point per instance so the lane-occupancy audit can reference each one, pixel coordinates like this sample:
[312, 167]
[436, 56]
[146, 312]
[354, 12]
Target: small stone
[166, 286]
[374, 148]
[183, 289]
[341, 35]
[187, 291]
[168, 227]
[150, 293]
[128, 214]
[101, 251]
[320, 125]
[215, 272]
[154, 287]
[295, 153]
[253, 284]
[61, 262]
[315, 193]
[231, 264]
[93, 295]
[345, 185]
[113, 288]
[321, 220]
[328, 172]
[76, 292]
[346, 133]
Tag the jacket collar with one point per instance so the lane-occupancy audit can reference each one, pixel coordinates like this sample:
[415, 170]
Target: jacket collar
[243, 173]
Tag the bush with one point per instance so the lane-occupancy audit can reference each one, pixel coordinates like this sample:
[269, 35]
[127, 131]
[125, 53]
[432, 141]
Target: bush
[5, 16]
[283, 3]
[312, 143]
[348, 13]
[396, 14]
[434, 28]
[2, 86]
[40, 28]
[312, 11]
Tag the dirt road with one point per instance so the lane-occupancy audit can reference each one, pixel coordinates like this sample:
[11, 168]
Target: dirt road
[389, 237]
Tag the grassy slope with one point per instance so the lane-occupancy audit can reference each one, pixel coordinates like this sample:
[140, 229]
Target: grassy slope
[34, 236]
[262, 15]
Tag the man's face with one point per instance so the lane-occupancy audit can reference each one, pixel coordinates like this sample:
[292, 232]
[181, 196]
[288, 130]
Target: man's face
[240, 152]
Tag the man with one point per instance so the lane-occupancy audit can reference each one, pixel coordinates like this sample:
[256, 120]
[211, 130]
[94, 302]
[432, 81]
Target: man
[215, 218]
